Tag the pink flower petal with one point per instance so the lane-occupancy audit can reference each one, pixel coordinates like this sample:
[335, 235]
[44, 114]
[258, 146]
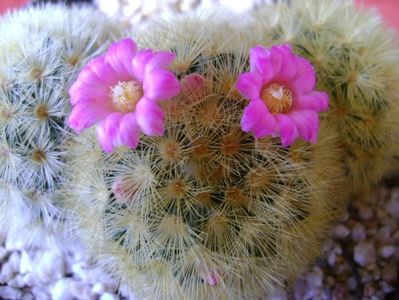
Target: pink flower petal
[258, 119]
[87, 113]
[317, 101]
[160, 85]
[305, 77]
[129, 131]
[307, 124]
[81, 91]
[211, 278]
[150, 117]
[160, 60]
[193, 85]
[104, 71]
[120, 56]
[107, 131]
[287, 130]
[121, 189]
[288, 68]
[93, 81]
[260, 63]
[87, 75]
[249, 84]
[284, 48]
[139, 63]
[277, 57]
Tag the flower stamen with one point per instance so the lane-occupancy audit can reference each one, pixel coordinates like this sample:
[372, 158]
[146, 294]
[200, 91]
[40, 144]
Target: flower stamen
[277, 98]
[126, 94]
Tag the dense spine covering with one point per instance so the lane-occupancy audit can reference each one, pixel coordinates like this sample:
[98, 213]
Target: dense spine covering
[356, 58]
[42, 48]
[205, 211]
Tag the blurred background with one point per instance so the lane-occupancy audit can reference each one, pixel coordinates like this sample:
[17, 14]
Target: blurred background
[389, 9]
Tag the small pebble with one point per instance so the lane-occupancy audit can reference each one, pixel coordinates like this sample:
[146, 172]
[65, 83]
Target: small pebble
[98, 288]
[315, 278]
[392, 207]
[62, 289]
[14, 260]
[16, 282]
[108, 296]
[300, 288]
[40, 293]
[26, 264]
[386, 287]
[365, 213]
[340, 232]
[27, 296]
[364, 254]
[387, 251]
[358, 233]
[351, 283]
[384, 234]
[7, 272]
[7, 292]
[15, 244]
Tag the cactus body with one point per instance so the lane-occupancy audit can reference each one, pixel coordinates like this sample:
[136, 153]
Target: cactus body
[205, 211]
[42, 49]
[356, 59]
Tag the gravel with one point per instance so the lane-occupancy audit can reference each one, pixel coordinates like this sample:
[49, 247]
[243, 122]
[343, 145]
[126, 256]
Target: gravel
[51, 273]
[362, 255]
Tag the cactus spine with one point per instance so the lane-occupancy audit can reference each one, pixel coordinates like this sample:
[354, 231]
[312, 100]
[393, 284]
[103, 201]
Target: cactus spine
[206, 211]
[356, 59]
[42, 49]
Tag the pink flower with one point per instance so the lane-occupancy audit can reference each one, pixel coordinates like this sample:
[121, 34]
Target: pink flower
[211, 277]
[121, 190]
[283, 101]
[119, 91]
[193, 87]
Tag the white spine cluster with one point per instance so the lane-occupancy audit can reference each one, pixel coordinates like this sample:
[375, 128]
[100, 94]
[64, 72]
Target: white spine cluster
[42, 49]
[356, 58]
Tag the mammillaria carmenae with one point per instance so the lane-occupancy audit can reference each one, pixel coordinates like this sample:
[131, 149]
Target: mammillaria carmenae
[206, 210]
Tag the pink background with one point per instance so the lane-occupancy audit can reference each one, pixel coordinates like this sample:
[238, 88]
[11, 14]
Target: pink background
[388, 8]
[10, 4]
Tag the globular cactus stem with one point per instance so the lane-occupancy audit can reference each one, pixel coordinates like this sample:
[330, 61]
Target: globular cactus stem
[204, 211]
[42, 48]
[356, 58]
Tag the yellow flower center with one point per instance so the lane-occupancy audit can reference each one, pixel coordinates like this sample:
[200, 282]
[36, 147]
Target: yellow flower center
[277, 98]
[125, 95]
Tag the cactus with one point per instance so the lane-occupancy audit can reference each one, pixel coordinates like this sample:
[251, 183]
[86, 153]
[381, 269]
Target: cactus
[206, 211]
[356, 59]
[42, 48]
